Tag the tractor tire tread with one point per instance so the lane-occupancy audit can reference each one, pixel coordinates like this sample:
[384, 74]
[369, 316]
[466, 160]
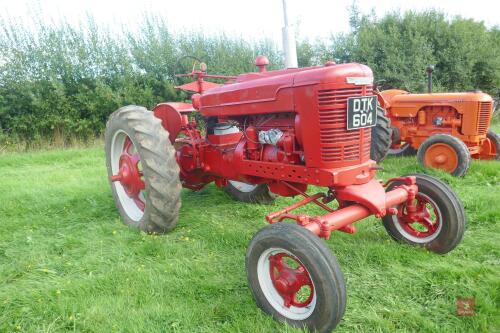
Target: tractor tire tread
[161, 172]
[496, 140]
[455, 218]
[381, 136]
[310, 249]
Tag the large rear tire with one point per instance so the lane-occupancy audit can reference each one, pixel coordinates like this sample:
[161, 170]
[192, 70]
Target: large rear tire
[295, 278]
[381, 136]
[142, 170]
[445, 152]
[442, 217]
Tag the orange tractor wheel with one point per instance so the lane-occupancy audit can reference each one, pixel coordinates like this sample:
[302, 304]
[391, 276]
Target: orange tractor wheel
[490, 149]
[445, 152]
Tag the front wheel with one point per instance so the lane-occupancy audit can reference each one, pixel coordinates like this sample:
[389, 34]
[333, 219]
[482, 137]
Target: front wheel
[439, 221]
[295, 278]
[445, 152]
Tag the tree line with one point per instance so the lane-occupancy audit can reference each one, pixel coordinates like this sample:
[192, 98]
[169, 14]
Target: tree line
[61, 80]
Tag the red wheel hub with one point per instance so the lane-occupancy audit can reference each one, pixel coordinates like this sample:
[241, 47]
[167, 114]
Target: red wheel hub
[129, 174]
[289, 281]
[420, 223]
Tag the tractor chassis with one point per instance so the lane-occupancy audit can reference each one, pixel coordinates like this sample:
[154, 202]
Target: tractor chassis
[349, 212]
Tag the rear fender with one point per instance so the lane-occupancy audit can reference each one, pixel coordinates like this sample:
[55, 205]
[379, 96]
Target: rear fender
[173, 116]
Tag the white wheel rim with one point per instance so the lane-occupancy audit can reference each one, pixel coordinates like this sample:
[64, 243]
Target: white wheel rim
[128, 204]
[243, 187]
[420, 240]
[272, 295]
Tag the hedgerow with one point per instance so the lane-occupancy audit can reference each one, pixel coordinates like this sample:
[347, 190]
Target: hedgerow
[58, 80]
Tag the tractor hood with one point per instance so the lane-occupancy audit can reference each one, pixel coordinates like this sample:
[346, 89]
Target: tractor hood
[250, 89]
[405, 104]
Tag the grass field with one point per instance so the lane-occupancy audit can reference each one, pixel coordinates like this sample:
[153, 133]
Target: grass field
[68, 264]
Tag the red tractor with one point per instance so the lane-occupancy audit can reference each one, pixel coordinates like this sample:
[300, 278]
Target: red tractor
[273, 133]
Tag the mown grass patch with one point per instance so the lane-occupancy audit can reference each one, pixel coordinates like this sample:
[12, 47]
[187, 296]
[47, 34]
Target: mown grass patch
[67, 263]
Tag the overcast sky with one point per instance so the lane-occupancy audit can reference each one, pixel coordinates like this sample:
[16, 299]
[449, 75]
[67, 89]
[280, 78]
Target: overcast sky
[249, 19]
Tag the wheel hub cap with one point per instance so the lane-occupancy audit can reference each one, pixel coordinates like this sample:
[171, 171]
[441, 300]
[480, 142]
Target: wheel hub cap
[441, 156]
[421, 223]
[129, 175]
[289, 281]
[440, 159]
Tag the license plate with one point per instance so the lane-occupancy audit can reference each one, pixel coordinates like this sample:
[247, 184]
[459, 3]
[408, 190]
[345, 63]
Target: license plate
[361, 112]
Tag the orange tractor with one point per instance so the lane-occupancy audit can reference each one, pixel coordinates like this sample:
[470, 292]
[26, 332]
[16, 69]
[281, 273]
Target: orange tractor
[445, 129]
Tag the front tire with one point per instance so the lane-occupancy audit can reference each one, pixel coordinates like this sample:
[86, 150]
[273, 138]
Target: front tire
[143, 172]
[442, 221]
[295, 278]
[445, 152]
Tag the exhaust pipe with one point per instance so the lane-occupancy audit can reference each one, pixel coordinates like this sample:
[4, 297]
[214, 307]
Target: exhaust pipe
[429, 71]
[289, 47]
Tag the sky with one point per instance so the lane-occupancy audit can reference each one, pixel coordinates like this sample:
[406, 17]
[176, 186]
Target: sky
[240, 18]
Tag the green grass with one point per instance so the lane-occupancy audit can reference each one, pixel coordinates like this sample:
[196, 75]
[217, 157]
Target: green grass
[67, 263]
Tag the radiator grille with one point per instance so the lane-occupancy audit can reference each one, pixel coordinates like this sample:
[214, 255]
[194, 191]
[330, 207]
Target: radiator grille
[337, 143]
[483, 117]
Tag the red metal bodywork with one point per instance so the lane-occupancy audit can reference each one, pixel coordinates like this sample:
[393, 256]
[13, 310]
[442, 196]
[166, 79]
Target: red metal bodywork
[308, 106]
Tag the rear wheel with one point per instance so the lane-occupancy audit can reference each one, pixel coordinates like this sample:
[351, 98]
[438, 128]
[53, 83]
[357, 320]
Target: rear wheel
[295, 277]
[401, 149]
[445, 152]
[439, 221]
[142, 169]
[490, 149]
[250, 193]
[381, 136]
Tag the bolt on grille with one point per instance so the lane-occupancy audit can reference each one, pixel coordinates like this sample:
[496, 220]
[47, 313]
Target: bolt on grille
[337, 143]
[483, 117]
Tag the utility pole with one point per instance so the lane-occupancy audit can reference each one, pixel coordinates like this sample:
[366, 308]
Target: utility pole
[289, 46]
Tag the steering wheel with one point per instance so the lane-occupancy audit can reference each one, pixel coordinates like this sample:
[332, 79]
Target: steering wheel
[196, 61]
